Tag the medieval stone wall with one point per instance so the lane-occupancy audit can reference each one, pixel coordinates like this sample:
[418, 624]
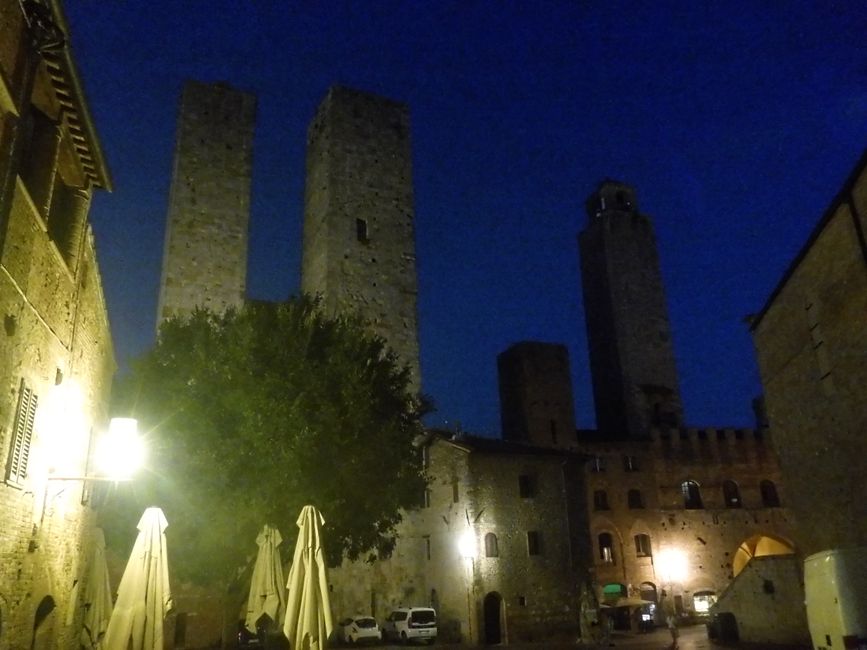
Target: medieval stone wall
[56, 346]
[811, 344]
[205, 253]
[359, 231]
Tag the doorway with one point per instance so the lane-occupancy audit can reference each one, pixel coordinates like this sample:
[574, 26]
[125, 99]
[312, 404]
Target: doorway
[493, 623]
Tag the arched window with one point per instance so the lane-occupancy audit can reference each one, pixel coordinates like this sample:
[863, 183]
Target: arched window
[770, 498]
[600, 500]
[606, 548]
[642, 546]
[732, 495]
[634, 500]
[691, 495]
[491, 548]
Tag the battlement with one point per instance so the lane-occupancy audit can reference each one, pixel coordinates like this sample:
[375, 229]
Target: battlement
[688, 442]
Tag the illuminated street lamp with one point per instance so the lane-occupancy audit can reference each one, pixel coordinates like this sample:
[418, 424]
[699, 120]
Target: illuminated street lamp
[672, 566]
[119, 453]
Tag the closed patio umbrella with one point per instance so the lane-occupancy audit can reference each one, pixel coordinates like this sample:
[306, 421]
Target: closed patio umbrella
[308, 608]
[143, 597]
[97, 595]
[267, 591]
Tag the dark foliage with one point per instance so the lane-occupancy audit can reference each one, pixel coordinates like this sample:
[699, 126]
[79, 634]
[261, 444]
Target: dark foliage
[251, 415]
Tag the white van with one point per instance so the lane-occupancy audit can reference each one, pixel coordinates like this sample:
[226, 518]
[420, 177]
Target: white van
[411, 624]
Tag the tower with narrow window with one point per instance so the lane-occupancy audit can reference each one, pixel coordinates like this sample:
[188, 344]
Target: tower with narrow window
[359, 241]
[631, 354]
[205, 254]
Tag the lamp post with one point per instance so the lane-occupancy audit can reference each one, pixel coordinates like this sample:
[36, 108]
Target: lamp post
[468, 549]
[672, 565]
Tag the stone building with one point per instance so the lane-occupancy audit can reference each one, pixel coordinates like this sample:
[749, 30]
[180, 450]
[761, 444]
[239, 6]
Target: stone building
[56, 359]
[359, 230]
[499, 546]
[679, 513]
[811, 343]
[631, 353]
[205, 252]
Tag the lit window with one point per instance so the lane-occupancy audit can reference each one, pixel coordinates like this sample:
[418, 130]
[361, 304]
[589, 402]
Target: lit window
[630, 464]
[702, 601]
[606, 548]
[691, 495]
[597, 464]
[731, 494]
[642, 546]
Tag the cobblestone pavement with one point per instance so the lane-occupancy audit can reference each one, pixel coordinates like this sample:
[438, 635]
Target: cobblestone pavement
[691, 638]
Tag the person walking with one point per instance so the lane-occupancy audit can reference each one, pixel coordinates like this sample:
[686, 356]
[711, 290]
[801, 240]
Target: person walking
[671, 622]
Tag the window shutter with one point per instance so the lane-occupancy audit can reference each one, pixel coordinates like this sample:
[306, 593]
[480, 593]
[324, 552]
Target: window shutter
[22, 435]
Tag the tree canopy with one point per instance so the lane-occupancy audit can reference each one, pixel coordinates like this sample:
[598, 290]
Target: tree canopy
[249, 416]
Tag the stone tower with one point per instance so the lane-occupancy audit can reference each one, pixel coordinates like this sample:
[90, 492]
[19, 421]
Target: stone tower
[205, 254]
[359, 242]
[631, 355]
[536, 404]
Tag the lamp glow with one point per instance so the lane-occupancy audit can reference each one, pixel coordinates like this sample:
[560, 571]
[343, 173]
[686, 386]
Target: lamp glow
[672, 565]
[120, 451]
[467, 544]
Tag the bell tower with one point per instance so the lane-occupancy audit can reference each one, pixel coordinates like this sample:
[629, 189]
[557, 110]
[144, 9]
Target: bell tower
[631, 353]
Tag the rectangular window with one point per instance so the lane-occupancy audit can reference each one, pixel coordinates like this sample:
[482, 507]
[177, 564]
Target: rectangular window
[361, 230]
[597, 464]
[456, 494]
[642, 546]
[526, 486]
[427, 546]
[22, 435]
[534, 542]
[426, 501]
[630, 464]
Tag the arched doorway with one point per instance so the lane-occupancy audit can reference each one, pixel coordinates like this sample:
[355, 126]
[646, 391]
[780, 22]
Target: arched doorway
[759, 546]
[493, 621]
[43, 625]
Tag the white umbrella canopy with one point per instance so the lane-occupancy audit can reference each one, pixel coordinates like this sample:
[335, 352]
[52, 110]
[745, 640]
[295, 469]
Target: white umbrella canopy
[143, 597]
[267, 593]
[97, 595]
[308, 607]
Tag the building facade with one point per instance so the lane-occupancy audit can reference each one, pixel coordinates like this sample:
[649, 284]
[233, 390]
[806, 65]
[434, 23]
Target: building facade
[56, 359]
[498, 546]
[811, 343]
[359, 217]
[632, 365]
[205, 252]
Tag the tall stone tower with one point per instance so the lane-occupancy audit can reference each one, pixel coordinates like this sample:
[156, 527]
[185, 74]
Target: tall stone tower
[631, 355]
[359, 241]
[536, 404]
[205, 254]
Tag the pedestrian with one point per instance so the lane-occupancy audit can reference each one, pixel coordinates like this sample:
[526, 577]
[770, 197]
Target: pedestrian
[671, 621]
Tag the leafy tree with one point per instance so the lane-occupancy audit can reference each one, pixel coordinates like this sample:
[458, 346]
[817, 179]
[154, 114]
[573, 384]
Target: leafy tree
[253, 414]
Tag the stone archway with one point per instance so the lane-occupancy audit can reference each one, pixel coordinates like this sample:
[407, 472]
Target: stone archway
[493, 607]
[759, 546]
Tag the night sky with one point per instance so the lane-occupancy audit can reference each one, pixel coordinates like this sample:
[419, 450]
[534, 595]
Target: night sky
[737, 122]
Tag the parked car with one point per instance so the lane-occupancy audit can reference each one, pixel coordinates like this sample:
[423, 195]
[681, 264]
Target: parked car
[411, 624]
[359, 629]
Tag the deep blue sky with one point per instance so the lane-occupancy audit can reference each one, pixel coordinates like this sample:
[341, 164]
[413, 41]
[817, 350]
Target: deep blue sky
[737, 122]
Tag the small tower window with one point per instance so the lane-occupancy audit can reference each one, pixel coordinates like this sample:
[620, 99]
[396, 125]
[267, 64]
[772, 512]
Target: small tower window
[600, 500]
[606, 548]
[731, 494]
[770, 498]
[634, 500]
[526, 486]
[361, 230]
[642, 546]
[491, 547]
